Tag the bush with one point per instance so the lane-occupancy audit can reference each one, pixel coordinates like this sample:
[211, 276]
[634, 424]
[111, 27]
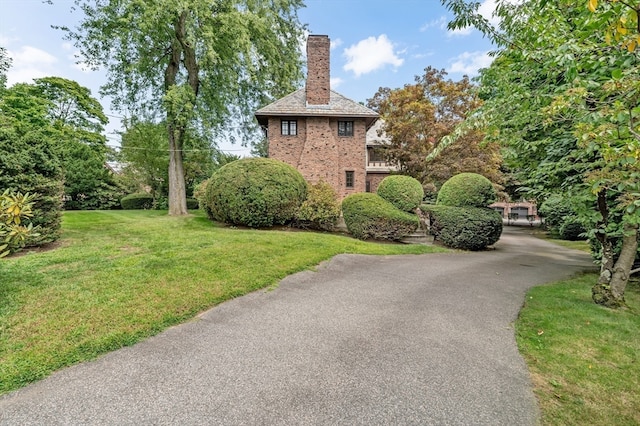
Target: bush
[200, 194]
[192, 204]
[571, 229]
[466, 228]
[28, 164]
[370, 216]
[404, 192]
[255, 192]
[555, 210]
[139, 201]
[321, 209]
[15, 210]
[467, 190]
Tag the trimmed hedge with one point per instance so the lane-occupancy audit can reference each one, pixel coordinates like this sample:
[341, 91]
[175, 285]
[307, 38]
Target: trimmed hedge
[467, 190]
[139, 201]
[192, 204]
[320, 210]
[371, 216]
[255, 192]
[404, 192]
[571, 229]
[466, 228]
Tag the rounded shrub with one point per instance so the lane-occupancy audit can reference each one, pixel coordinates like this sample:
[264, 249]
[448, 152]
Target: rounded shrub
[467, 190]
[192, 203]
[466, 228]
[571, 229]
[320, 210]
[555, 210]
[255, 192]
[200, 194]
[404, 192]
[138, 201]
[371, 216]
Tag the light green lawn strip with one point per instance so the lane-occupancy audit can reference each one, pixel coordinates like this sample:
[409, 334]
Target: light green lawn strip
[584, 359]
[120, 276]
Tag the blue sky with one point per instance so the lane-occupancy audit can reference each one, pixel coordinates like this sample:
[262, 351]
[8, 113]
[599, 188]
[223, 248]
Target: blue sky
[375, 43]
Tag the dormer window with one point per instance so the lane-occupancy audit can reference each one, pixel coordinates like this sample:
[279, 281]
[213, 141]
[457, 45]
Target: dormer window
[289, 127]
[345, 128]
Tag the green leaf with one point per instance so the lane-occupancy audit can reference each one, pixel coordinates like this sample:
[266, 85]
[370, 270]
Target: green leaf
[616, 74]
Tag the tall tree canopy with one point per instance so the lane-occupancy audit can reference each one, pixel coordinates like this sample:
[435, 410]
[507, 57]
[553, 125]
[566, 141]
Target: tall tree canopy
[66, 114]
[563, 96]
[197, 63]
[417, 116]
[5, 63]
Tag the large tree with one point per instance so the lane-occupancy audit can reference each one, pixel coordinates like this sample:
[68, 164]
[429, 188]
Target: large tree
[417, 116]
[563, 96]
[144, 154]
[198, 64]
[5, 63]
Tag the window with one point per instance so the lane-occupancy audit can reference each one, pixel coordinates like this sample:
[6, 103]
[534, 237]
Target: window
[345, 128]
[349, 179]
[289, 127]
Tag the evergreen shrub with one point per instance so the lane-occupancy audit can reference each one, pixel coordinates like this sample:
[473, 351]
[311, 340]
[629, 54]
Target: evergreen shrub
[466, 228]
[368, 215]
[571, 229]
[404, 192]
[192, 203]
[467, 190]
[255, 192]
[320, 210]
[138, 201]
[28, 164]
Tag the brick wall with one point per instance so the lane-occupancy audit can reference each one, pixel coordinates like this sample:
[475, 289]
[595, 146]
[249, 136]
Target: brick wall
[318, 68]
[374, 180]
[320, 154]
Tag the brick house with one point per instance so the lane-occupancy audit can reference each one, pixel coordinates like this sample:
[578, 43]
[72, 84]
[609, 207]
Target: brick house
[322, 133]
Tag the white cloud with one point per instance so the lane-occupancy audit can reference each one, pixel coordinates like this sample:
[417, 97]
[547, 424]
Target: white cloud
[469, 63]
[335, 82]
[336, 43]
[371, 54]
[29, 63]
[441, 23]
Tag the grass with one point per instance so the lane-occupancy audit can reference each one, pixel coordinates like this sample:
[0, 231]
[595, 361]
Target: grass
[584, 359]
[582, 245]
[120, 276]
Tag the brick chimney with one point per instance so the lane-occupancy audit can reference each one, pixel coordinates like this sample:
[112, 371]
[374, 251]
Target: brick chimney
[318, 87]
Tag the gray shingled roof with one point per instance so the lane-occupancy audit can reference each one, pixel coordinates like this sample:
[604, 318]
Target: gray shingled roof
[295, 104]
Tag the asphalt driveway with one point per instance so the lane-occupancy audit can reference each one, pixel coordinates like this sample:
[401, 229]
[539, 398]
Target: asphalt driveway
[424, 340]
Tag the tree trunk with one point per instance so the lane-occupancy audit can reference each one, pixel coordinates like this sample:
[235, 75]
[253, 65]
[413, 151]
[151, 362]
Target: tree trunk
[609, 291]
[177, 187]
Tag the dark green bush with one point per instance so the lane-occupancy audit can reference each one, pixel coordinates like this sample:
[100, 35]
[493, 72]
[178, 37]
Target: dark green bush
[28, 163]
[192, 203]
[466, 228]
[139, 201]
[555, 210]
[467, 190]
[571, 229]
[404, 192]
[255, 192]
[371, 216]
[320, 210]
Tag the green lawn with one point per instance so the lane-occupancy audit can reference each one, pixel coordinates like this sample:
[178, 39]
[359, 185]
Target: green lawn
[120, 276]
[584, 359]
